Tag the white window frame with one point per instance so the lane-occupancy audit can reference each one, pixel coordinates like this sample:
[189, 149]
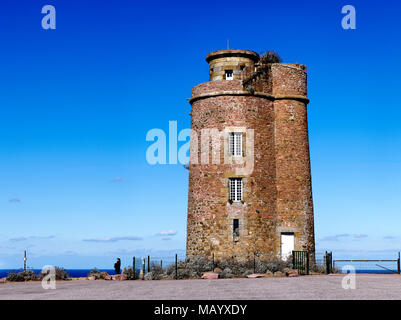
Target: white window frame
[235, 189]
[231, 72]
[235, 144]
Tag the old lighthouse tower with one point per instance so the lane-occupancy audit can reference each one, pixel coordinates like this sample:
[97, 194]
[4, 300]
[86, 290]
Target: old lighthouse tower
[249, 172]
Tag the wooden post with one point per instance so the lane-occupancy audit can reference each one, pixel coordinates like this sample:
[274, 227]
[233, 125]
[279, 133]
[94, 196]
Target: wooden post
[254, 262]
[213, 263]
[176, 267]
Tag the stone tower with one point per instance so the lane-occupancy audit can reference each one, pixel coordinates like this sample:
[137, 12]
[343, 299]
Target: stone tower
[250, 179]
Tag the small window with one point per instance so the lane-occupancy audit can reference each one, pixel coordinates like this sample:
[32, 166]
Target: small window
[236, 227]
[235, 189]
[229, 75]
[235, 144]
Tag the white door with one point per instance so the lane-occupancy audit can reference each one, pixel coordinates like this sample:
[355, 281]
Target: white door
[287, 245]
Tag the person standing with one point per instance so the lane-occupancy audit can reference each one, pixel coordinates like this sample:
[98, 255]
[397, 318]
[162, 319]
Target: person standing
[117, 266]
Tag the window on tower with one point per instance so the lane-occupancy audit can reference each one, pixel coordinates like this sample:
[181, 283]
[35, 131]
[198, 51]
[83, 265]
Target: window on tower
[235, 189]
[229, 75]
[235, 144]
[236, 227]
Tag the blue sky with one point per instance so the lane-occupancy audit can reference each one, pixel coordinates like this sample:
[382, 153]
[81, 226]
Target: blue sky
[77, 102]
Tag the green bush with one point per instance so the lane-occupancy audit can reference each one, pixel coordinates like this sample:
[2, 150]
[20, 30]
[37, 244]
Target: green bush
[13, 277]
[21, 276]
[95, 273]
[130, 273]
[61, 274]
[98, 274]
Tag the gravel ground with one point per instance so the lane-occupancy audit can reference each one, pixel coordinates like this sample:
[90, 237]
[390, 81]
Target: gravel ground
[316, 287]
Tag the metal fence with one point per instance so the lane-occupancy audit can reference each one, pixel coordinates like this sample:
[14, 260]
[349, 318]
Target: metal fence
[254, 263]
[303, 261]
[300, 262]
[391, 266]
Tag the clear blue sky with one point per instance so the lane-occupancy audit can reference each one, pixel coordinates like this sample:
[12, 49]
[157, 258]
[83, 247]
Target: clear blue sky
[77, 102]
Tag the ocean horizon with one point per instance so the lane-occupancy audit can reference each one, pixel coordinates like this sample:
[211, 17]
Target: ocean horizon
[78, 273]
[73, 273]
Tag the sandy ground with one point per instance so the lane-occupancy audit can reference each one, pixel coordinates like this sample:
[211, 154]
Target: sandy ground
[316, 287]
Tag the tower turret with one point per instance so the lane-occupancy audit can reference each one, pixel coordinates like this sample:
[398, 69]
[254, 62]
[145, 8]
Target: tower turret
[230, 64]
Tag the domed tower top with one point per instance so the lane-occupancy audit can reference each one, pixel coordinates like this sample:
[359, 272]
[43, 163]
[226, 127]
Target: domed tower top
[230, 64]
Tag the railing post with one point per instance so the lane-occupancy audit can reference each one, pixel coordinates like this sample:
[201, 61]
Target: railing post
[176, 267]
[398, 263]
[133, 266]
[293, 259]
[213, 262]
[161, 264]
[148, 263]
[307, 262]
[254, 262]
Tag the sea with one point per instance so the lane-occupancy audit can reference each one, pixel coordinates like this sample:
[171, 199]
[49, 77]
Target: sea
[77, 273]
[73, 273]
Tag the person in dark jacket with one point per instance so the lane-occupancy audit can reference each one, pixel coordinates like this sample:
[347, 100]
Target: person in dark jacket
[117, 266]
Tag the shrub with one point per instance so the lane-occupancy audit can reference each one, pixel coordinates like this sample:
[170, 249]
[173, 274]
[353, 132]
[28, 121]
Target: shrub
[13, 277]
[184, 272]
[21, 276]
[278, 265]
[95, 273]
[318, 268]
[61, 274]
[148, 276]
[247, 273]
[199, 264]
[195, 266]
[259, 264]
[157, 272]
[226, 273]
[270, 57]
[236, 267]
[130, 273]
[187, 274]
[170, 271]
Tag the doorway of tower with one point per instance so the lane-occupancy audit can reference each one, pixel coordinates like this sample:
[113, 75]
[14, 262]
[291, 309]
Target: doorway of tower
[287, 244]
